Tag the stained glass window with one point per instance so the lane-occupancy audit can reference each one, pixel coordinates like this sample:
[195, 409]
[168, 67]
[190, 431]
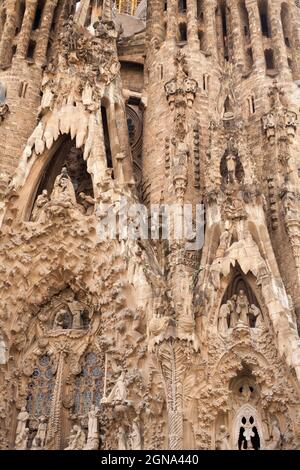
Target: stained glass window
[88, 384]
[40, 388]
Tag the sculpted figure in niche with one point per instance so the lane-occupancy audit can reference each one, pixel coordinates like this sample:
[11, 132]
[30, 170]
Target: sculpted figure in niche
[22, 431]
[38, 213]
[88, 203]
[224, 314]
[63, 190]
[62, 320]
[256, 314]
[76, 309]
[242, 306]
[3, 350]
[118, 392]
[40, 437]
[233, 313]
[275, 437]
[22, 440]
[76, 439]
[22, 419]
[222, 441]
[122, 440]
[225, 240]
[93, 433]
[135, 436]
[231, 167]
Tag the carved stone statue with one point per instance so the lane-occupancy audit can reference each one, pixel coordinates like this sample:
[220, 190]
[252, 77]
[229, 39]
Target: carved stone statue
[3, 350]
[63, 190]
[76, 309]
[224, 244]
[118, 392]
[60, 320]
[88, 203]
[255, 311]
[222, 441]
[40, 437]
[231, 168]
[122, 441]
[135, 436]
[22, 419]
[242, 306]
[39, 205]
[93, 433]
[276, 437]
[76, 439]
[224, 314]
[22, 439]
[233, 313]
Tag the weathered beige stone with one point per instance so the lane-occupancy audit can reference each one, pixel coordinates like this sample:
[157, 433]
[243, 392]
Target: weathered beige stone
[130, 344]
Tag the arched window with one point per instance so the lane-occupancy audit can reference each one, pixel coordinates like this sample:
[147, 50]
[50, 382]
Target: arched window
[88, 384]
[247, 429]
[41, 387]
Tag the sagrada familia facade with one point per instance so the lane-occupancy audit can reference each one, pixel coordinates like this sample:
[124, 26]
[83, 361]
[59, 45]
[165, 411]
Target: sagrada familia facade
[142, 343]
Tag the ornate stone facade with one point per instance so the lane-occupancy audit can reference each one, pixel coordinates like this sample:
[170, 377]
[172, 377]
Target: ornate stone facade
[133, 343]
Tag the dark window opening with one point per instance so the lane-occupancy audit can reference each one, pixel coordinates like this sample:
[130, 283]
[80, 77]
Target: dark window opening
[165, 5]
[264, 25]
[250, 60]
[201, 37]
[182, 32]
[20, 17]
[31, 49]
[269, 58]
[38, 15]
[88, 19]
[182, 5]
[287, 42]
[14, 50]
[106, 138]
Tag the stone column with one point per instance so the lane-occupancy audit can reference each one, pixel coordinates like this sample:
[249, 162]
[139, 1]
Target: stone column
[238, 40]
[172, 24]
[155, 24]
[44, 32]
[8, 34]
[256, 36]
[210, 25]
[219, 33]
[280, 53]
[192, 23]
[24, 36]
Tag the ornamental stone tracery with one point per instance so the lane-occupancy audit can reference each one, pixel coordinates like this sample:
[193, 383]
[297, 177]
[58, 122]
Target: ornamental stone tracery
[137, 343]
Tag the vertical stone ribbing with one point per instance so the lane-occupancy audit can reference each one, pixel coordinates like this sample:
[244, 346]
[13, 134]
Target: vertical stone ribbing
[280, 53]
[24, 36]
[192, 23]
[237, 36]
[172, 12]
[8, 34]
[256, 35]
[210, 25]
[43, 39]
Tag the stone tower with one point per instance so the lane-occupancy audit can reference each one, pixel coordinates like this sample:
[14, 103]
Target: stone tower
[135, 342]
